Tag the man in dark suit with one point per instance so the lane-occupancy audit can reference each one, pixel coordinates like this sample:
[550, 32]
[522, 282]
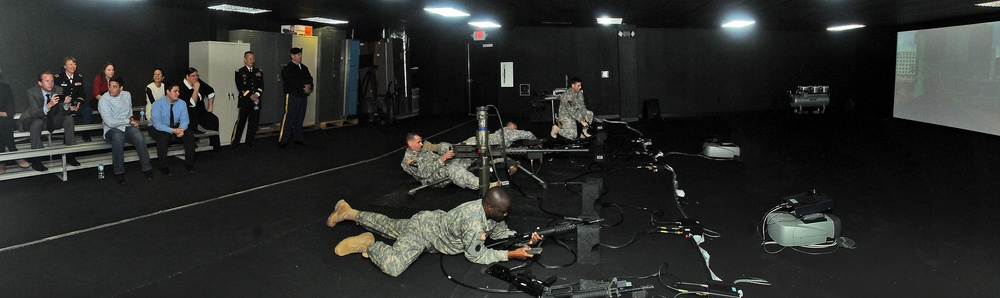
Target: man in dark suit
[48, 109]
[250, 84]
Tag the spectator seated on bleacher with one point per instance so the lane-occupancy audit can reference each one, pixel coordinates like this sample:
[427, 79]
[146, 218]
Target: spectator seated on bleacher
[47, 109]
[7, 125]
[120, 127]
[170, 122]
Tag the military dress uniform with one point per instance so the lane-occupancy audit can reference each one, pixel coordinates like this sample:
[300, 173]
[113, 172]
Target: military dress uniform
[249, 81]
[572, 110]
[294, 76]
[462, 230]
[73, 87]
[427, 167]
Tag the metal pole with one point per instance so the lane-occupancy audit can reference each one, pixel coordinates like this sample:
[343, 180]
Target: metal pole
[468, 80]
[483, 142]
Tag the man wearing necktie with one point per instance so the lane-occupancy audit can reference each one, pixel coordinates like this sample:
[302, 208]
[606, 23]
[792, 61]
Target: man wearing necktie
[250, 84]
[48, 109]
[170, 122]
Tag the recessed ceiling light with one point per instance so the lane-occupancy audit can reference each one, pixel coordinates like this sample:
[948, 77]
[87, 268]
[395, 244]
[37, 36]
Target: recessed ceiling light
[485, 24]
[447, 11]
[237, 8]
[990, 4]
[324, 20]
[609, 21]
[845, 27]
[737, 24]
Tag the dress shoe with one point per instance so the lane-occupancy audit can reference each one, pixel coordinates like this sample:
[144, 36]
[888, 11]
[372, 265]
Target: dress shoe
[148, 174]
[23, 163]
[282, 145]
[190, 169]
[217, 149]
[86, 138]
[120, 179]
[72, 161]
[165, 171]
[235, 145]
[38, 166]
[301, 143]
[250, 144]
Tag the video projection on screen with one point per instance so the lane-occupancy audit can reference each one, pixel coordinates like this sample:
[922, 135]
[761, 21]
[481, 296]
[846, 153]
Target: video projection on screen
[950, 76]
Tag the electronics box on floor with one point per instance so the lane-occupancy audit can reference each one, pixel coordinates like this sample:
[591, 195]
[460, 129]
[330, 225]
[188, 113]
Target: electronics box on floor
[788, 230]
[720, 149]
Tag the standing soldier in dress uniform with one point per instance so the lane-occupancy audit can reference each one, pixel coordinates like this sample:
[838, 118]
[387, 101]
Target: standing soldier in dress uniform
[298, 83]
[462, 230]
[72, 86]
[427, 166]
[250, 84]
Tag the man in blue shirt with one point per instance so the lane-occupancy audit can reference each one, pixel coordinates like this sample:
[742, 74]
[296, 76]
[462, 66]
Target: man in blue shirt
[119, 127]
[169, 122]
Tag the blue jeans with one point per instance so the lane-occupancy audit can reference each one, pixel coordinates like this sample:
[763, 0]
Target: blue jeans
[117, 139]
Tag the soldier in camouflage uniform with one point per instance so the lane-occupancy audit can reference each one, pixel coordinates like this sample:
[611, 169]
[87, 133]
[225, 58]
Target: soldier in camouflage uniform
[572, 110]
[507, 134]
[427, 166]
[462, 230]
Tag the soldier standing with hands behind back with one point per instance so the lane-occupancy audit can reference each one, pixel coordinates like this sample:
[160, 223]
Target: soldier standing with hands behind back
[298, 83]
[250, 84]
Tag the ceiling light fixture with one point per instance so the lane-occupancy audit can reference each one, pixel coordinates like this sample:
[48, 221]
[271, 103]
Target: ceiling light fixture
[845, 27]
[324, 20]
[237, 8]
[609, 21]
[989, 4]
[447, 11]
[485, 24]
[737, 24]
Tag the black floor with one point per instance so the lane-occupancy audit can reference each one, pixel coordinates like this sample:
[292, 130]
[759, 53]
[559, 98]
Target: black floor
[919, 200]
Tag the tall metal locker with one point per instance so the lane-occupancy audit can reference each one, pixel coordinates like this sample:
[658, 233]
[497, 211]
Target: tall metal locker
[310, 57]
[353, 62]
[271, 52]
[216, 61]
[331, 98]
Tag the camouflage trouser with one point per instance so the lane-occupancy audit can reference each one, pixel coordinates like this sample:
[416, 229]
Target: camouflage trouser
[568, 129]
[392, 260]
[458, 173]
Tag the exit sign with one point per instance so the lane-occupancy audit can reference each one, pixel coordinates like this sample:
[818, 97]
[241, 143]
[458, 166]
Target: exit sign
[479, 35]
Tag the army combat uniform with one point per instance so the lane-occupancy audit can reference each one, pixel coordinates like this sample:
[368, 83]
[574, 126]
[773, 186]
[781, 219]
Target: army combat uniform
[509, 137]
[571, 111]
[428, 167]
[461, 230]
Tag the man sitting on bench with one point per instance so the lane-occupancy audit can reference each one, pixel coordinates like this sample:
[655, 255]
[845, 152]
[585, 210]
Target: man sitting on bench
[120, 127]
[47, 109]
[170, 122]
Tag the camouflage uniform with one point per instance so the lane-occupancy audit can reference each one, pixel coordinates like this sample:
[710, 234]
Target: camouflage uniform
[572, 112]
[461, 230]
[509, 135]
[428, 168]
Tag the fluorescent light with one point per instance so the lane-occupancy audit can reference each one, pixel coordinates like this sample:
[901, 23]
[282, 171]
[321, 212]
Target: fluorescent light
[845, 27]
[324, 20]
[990, 4]
[447, 11]
[237, 8]
[485, 24]
[609, 21]
[737, 24]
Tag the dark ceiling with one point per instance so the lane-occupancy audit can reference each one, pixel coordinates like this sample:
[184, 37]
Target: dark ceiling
[797, 15]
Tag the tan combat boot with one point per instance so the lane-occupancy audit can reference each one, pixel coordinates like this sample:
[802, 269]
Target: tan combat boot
[355, 244]
[555, 131]
[340, 213]
[584, 132]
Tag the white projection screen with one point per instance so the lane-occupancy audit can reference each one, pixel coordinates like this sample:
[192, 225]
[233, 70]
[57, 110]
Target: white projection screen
[950, 76]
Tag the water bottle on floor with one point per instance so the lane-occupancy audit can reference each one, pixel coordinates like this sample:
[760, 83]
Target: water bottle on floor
[142, 115]
[100, 171]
